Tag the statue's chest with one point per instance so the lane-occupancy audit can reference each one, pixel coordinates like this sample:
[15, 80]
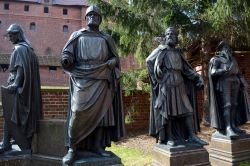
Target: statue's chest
[172, 60]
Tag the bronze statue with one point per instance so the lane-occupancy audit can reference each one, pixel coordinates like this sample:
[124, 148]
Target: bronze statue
[21, 99]
[173, 117]
[95, 116]
[228, 96]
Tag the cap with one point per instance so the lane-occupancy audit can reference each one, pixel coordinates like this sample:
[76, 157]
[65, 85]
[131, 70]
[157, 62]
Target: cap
[93, 9]
[14, 28]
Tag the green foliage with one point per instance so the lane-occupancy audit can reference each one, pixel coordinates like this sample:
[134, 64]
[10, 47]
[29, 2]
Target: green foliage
[135, 80]
[135, 24]
[245, 164]
[231, 21]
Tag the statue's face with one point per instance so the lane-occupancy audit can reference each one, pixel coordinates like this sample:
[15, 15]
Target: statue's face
[13, 37]
[93, 19]
[171, 38]
[226, 49]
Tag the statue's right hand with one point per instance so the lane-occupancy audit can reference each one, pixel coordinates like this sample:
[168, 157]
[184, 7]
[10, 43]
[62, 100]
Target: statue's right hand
[67, 61]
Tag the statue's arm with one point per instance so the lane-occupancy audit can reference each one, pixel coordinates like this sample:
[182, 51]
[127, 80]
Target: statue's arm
[18, 81]
[215, 68]
[68, 56]
[191, 74]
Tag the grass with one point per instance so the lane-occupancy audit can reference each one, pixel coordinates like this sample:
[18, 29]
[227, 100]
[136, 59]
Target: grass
[131, 156]
[245, 164]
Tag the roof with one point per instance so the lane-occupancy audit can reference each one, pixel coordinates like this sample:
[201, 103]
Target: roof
[43, 60]
[60, 2]
[70, 2]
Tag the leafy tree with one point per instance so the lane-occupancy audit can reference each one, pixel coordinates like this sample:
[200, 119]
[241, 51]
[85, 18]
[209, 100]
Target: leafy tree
[136, 26]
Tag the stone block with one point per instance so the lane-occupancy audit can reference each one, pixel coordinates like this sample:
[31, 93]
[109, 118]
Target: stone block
[228, 152]
[187, 155]
[50, 138]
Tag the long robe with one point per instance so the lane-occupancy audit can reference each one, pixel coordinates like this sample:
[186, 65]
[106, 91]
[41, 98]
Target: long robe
[162, 95]
[95, 93]
[23, 109]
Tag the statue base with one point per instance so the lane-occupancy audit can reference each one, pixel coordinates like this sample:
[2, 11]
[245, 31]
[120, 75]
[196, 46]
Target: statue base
[226, 152]
[48, 150]
[188, 154]
[42, 160]
[15, 157]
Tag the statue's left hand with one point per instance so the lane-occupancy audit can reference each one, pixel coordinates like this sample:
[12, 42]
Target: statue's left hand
[111, 63]
[200, 82]
[12, 88]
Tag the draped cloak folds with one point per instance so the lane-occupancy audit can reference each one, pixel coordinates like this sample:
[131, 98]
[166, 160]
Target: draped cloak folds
[23, 108]
[95, 97]
[157, 115]
[216, 110]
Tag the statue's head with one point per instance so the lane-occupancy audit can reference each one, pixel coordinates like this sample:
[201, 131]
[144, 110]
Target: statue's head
[93, 16]
[171, 36]
[15, 33]
[223, 46]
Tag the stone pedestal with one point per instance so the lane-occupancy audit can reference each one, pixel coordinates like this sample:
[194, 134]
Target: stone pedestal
[49, 148]
[229, 152]
[50, 138]
[187, 155]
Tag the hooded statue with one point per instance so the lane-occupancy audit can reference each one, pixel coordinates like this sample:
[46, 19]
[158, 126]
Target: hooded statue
[228, 97]
[21, 99]
[173, 115]
[95, 116]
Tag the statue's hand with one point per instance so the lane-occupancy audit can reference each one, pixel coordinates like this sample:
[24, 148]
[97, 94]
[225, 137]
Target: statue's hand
[199, 82]
[12, 88]
[67, 61]
[111, 63]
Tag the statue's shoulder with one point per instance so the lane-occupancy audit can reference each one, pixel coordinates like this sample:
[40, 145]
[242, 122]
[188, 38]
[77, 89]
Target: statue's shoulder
[155, 53]
[76, 34]
[21, 46]
[107, 37]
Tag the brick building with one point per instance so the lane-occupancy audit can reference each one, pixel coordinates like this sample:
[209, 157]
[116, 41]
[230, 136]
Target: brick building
[47, 25]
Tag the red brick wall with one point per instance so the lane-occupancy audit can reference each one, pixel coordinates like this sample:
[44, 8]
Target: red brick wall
[49, 27]
[55, 106]
[55, 103]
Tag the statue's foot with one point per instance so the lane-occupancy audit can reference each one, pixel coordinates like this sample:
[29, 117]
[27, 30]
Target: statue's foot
[238, 130]
[5, 148]
[69, 157]
[171, 143]
[197, 140]
[102, 153]
[231, 134]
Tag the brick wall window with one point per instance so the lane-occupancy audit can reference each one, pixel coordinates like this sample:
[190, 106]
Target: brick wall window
[33, 26]
[65, 11]
[65, 29]
[46, 9]
[26, 8]
[6, 6]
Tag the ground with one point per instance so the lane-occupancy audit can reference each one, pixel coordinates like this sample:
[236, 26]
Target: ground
[141, 140]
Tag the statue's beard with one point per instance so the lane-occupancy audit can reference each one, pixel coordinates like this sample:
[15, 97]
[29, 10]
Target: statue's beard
[170, 42]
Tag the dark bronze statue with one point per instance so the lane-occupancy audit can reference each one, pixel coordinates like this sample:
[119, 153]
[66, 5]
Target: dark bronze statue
[21, 99]
[173, 118]
[228, 96]
[95, 116]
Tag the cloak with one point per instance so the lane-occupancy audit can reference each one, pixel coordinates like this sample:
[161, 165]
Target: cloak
[154, 126]
[23, 108]
[216, 112]
[97, 72]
